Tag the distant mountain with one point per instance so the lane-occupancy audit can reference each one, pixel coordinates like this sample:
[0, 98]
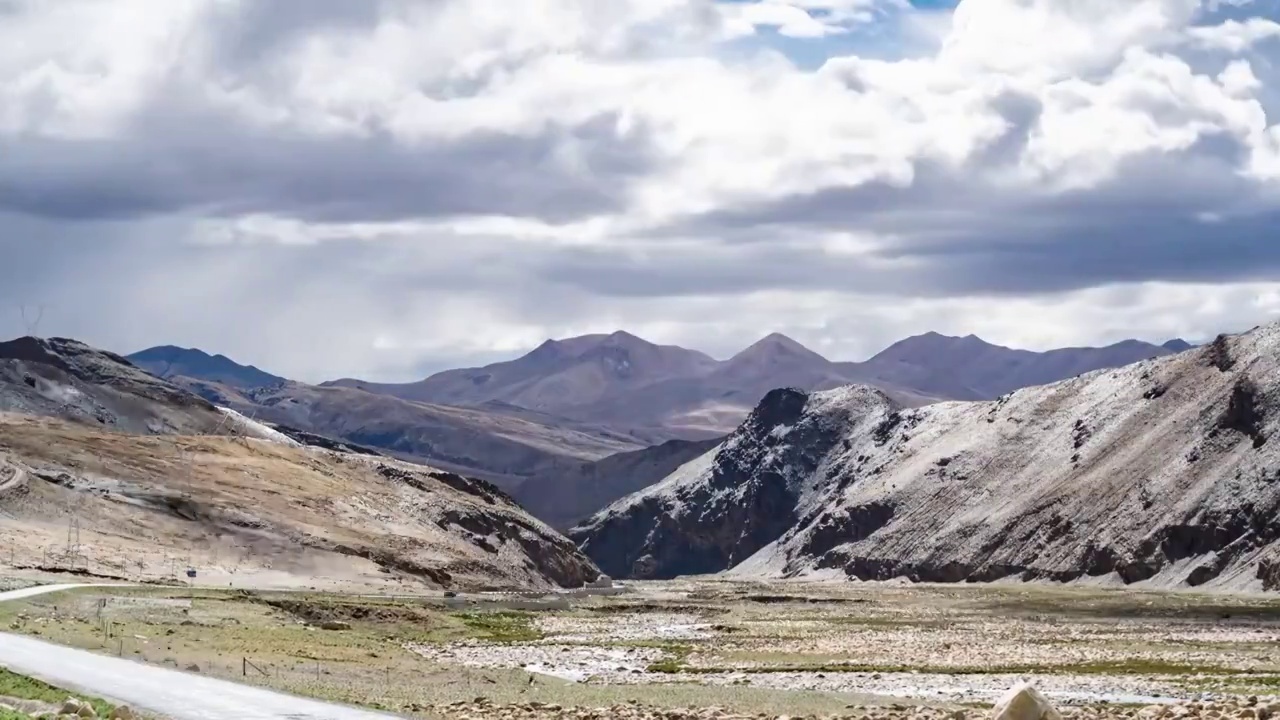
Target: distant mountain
[650, 391]
[170, 360]
[1177, 345]
[656, 392]
[969, 368]
[572, 402]
[503, 448]
[565, 494]
[558, 374]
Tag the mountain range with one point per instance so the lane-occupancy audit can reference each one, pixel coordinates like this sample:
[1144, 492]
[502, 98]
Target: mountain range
[627, 383]
[552, 414]
[1164, 472]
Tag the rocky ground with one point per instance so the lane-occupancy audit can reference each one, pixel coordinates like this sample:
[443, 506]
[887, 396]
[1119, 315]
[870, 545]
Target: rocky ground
[708, 649]
[1252, 708]
[935, 645]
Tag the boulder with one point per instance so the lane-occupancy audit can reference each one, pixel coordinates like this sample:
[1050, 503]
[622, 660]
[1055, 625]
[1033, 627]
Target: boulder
[122, 713]
[86, 711]
[335, 625]
[1024, 702]
[70, 706]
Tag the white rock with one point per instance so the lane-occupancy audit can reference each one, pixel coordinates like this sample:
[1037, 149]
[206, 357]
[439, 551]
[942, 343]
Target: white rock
[1024, 702]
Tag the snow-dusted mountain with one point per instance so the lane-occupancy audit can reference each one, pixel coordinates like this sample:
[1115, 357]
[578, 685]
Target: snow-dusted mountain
[1162, 471]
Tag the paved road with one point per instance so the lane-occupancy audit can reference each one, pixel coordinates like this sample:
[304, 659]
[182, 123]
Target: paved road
[173, 694]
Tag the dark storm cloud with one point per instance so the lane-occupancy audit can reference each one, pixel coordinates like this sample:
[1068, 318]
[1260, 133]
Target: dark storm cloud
[201, 163]
[1188, 216]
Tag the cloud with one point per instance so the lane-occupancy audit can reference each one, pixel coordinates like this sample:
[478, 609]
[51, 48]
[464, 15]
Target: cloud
[388, 187]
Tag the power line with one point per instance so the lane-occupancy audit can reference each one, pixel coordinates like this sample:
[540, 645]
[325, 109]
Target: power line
[31, 318]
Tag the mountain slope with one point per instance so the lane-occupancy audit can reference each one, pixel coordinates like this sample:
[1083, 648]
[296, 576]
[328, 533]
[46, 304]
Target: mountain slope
[563, 495]
[497, 447]
[1164, 471]
[145, 470]
[245, 509]
[168, 360]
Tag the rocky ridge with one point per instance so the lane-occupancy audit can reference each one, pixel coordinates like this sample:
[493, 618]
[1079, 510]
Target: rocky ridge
[67, 379]
[1160, 472]
[168, 361]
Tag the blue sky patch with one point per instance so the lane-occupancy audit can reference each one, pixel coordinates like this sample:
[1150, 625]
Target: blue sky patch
[885, 38]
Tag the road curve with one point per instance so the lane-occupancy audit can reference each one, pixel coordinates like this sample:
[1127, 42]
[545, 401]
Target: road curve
[170, 693]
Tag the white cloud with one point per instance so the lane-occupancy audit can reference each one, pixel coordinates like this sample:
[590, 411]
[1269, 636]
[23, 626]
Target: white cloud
[1235, 36]
[476, 174]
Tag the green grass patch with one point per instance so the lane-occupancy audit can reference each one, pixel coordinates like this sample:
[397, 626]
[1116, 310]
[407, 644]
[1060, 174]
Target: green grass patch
[20, 686]
[502, 627]
[674, 662]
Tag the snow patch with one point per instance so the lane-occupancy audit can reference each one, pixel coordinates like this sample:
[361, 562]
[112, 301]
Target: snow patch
[256, 429]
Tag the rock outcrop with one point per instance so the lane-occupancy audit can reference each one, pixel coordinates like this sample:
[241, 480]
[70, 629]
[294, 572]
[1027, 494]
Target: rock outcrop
[1165, 471]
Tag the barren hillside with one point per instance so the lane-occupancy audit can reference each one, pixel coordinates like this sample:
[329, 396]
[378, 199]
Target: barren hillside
[106, 469]
[239, 509]
[1162, 471]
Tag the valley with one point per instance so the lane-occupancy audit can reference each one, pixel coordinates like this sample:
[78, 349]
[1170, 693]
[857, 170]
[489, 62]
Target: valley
[842, 553]
[681, 650]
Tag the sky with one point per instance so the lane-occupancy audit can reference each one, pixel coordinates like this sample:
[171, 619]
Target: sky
[383, 189]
